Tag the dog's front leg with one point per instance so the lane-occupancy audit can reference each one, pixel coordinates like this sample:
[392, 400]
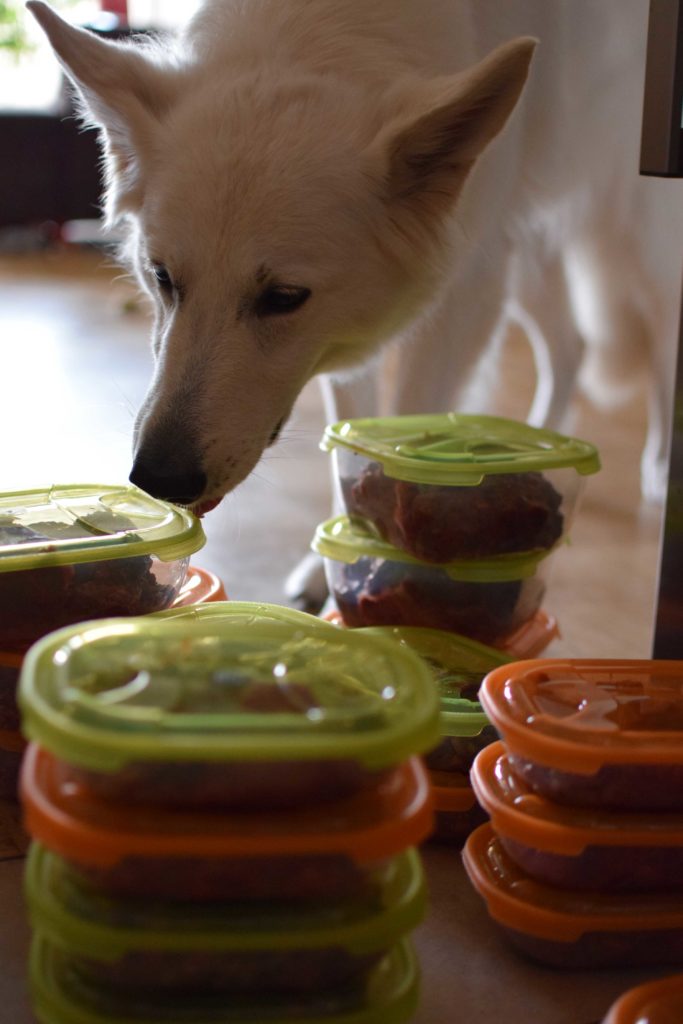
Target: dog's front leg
[354, 397]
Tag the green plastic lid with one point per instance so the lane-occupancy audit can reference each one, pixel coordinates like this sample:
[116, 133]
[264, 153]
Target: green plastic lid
[231, 681]
[91, 522]
[459, 666]
[349, 538]
[454, 448]
[61, 996]
[83, 921]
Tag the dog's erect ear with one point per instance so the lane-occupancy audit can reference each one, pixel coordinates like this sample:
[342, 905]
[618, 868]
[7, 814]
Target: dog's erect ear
[121, 89]
[430, 154]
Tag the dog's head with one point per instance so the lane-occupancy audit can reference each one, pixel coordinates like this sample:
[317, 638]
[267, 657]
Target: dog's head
[283, 226]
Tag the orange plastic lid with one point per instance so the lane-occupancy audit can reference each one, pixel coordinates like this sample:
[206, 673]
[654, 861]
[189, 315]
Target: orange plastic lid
[518, 813]
[527, 641]
[516, 901]
[452, 791]
[532, 637]
[656, 1002]
[199, 587]
[577, 715]
[369, 826]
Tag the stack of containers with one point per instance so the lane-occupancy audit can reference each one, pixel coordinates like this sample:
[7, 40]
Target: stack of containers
[582, 862]
[450, 524]
[450, 520]
[225, 803]
[69, 553]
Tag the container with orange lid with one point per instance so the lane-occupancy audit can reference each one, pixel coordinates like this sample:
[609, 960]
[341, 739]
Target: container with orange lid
[655, 1002]
[567, 928]
[577, 847]
[330, 853]
[599, 733]
[456, 809]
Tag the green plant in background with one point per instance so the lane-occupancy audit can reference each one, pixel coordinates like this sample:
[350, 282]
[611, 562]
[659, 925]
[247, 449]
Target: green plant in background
[13, 37]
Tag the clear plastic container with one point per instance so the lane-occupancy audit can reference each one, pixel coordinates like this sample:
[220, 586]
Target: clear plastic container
[62, 996]
[598, 733]
[578, 847]
[375, 584]
[453, 486]
[228, 704]
[323, 854]
[222, 947]
[70, 553]
[571, 929]
[200, 587]
[655, 1002]
[457, 812]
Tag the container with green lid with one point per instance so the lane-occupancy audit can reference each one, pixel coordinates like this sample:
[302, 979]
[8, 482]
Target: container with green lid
[229, 704]
[69, 553]
[231, 947]
[453, 486]
[376, 584]
[459, 666]
[60, 995]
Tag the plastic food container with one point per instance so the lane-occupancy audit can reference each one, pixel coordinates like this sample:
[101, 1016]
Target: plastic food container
[324, 854]
[89, 551]
[375, 584]
[142, 945]
[457, 812]
[62, 996]
[576, 930]
[199, 587]
[655, 1002]
[578, 847]
[459, 665]
[528, 641]
[228, 704]
[453, 486]
[600, 733]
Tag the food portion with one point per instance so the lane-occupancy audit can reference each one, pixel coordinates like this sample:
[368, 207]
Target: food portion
[229, 705]
[142, 945]
[380, 592]
[573, 929]
[35, 601]
[507, 512]
[71, 553]
[578, 847]
[598, 733]
[457, 812]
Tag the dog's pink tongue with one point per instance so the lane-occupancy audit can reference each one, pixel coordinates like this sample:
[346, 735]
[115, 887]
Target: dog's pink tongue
[205, 506]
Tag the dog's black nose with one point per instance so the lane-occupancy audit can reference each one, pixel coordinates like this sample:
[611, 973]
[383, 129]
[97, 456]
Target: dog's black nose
[181, 488]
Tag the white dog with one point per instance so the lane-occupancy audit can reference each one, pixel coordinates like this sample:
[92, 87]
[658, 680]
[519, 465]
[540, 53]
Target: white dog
[295, 176]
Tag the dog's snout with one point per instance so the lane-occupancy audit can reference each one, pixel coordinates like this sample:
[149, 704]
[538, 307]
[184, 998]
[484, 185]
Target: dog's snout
[182, 487]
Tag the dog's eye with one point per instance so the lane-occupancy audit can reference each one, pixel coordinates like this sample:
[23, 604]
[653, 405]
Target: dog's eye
[281, 298]
[163, 278]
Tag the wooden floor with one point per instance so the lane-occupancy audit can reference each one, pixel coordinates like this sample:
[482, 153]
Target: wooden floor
[75, 366]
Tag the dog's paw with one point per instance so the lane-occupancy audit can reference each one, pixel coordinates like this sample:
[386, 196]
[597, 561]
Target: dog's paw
[306, 587]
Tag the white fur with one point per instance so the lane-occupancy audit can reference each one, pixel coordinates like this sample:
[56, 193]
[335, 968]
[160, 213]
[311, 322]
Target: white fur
[328, 141]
